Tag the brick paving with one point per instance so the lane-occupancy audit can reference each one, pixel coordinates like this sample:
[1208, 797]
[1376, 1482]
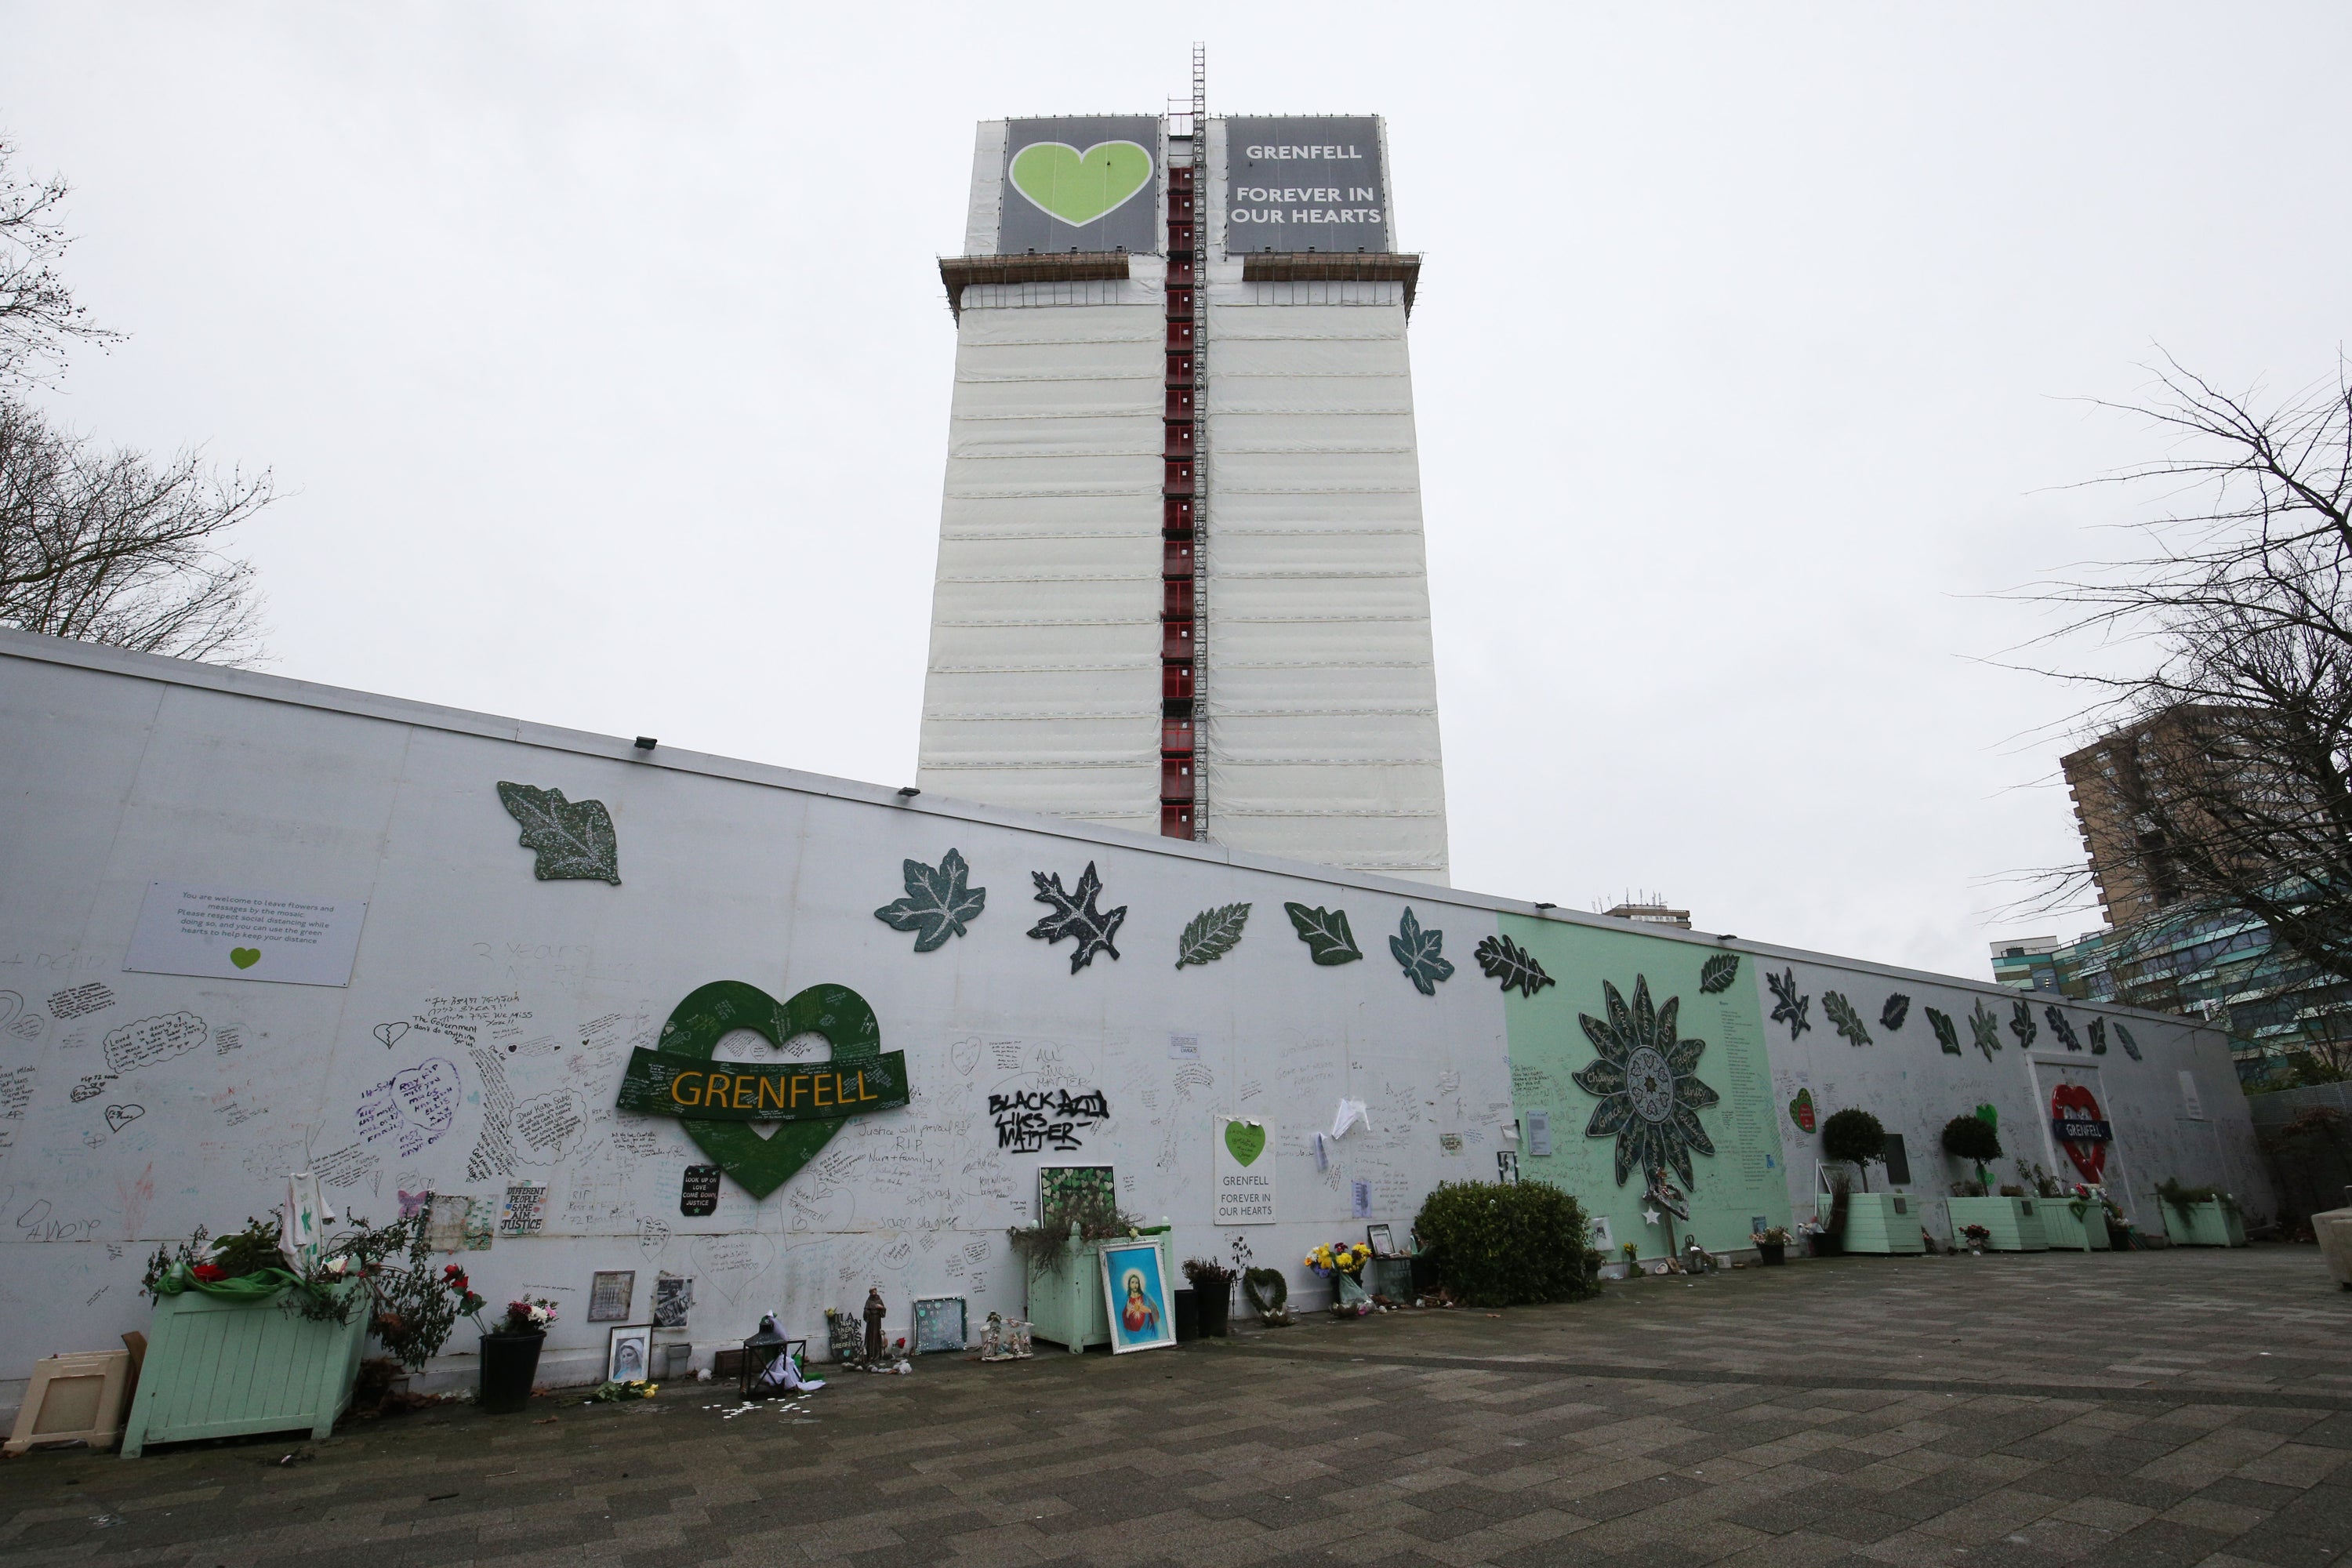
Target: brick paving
[2140, 1410]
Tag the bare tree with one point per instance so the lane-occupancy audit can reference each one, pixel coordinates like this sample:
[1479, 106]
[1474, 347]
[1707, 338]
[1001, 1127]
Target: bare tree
[112, 547]
[108, 547]
[39, 314]
[2229, 759]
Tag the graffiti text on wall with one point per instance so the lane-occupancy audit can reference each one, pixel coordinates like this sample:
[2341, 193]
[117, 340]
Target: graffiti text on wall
[1031, 1121]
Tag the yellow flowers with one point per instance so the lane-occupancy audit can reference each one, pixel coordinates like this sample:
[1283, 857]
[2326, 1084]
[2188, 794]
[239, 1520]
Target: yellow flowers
[1343, 1256]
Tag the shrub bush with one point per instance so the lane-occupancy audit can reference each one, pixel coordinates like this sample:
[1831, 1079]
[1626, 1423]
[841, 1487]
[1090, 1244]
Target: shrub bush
[1972, 1138]
[1855, 1136]
[1503, 1245]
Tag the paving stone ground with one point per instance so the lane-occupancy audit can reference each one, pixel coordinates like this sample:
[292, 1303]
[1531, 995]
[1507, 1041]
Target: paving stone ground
[2140, 1410]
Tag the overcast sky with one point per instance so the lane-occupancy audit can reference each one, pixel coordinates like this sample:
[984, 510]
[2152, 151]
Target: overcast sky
[602, 354]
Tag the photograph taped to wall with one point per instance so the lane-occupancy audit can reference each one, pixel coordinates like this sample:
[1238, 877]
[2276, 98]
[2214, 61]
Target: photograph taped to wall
[609, 1294]
[221, 935]
[1135, 1292]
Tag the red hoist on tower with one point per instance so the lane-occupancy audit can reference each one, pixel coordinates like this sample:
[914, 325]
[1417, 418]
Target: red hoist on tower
[1181, 489]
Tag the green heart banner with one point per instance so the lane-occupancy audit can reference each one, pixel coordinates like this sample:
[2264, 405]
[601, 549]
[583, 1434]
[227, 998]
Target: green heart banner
[710, 1013]
[1079, 187]
[1246, 1141]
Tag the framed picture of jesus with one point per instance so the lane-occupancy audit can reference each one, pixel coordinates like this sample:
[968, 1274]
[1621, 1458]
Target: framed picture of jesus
[1135, 1290]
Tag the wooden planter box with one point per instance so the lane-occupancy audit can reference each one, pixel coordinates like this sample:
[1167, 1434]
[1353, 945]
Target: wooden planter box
[1882, 1223]
[2069, 1232]
[1066, 1302]
[217, 1367]
[2017, 1224]
[2202, 1224]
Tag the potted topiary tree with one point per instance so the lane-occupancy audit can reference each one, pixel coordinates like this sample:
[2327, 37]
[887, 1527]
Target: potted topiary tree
[1875, 1221]
[2008, 1224]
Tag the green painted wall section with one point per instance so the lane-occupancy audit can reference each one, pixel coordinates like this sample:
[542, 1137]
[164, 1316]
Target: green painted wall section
[1744, 1180]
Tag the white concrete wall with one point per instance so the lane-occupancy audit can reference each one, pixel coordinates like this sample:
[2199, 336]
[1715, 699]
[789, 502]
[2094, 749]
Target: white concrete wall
[1905, 1079]
[120, 769]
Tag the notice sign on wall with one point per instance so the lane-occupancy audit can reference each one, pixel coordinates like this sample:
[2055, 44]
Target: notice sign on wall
[1293, 184]
[1245, 1171]
[246, 936]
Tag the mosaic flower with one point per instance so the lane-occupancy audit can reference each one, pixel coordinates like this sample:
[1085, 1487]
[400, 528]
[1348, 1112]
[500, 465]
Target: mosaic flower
[1646, 1080]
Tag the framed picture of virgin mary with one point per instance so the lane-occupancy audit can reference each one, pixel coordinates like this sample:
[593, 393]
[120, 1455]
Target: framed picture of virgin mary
[1135, 1290]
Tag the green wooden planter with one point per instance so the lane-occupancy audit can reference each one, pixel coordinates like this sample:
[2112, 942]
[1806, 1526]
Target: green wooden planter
[1882, 1223]
[218, 1367]
[2070, 1232]
[2202, 1224]
[2017, 1224]
[1066, 1302]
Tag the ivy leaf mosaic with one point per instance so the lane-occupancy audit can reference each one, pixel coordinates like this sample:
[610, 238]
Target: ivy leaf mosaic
[1076, 917]
[1986, 1027]
[1891, 1017]
[2098, 1036]
[2020, 1022]
[938, 905]
[2130, 1045]
[1947, 1034]
[1788, 1008]
[1418, 951]
[574, 838]
[1326, 935]
[1500, 958]
[1645, 1077]
[1210, 934]
[2062, 1028]
[1840, 1012]
[1716, 974]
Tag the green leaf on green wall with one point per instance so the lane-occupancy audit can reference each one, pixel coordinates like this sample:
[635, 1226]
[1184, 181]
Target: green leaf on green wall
[1325, 934]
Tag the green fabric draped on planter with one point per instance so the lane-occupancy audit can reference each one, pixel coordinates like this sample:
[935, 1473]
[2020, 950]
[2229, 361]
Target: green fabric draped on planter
[260, 1285]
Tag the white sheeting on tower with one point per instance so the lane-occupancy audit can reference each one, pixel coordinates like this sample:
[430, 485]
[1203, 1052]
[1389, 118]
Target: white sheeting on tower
[1320, 738]
[1043, 691]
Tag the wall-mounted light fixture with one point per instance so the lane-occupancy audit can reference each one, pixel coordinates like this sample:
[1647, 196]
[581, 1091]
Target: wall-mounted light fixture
[646, 743]
[908, 792]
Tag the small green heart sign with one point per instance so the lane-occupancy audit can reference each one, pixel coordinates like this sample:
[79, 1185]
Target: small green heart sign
[860, 1078]
[1246, 1141]
[245, 957]
[1079, 187]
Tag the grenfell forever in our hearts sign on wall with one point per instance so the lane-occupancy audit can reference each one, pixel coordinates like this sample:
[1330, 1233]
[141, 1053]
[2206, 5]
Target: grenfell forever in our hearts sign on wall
[719, 1103]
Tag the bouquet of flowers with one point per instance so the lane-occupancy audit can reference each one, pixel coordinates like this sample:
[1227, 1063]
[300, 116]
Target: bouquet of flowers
[529, 1315]
[1770, 1235]
[1339, 1257]
[1976, 1236]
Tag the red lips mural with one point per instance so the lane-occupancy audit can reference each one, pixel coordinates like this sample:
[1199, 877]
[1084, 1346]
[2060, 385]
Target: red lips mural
[2081, 1129]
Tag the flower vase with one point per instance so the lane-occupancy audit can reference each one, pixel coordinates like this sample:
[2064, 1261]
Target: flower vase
[509, 1363]
[1214, 1305]
[1351, 1297]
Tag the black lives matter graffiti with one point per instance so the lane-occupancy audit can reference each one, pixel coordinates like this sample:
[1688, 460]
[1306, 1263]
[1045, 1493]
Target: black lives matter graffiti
[1029, 1121]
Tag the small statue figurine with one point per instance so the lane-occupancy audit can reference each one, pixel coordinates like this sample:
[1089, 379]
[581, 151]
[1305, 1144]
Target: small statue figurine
[874, 1312]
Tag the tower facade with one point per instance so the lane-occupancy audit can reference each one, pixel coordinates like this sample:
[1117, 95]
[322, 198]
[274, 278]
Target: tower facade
[1182, 584]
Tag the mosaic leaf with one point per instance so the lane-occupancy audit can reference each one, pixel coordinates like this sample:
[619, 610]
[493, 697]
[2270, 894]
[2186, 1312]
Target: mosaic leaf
[2020, 1022]
[1986, 1027]
[1076, 917]
[1210, 934]
[2062, 1028]
[1947, 1034]
[938, 905]
[1418, 951]
[1891, 1017]
[1716, 974]
[1840, 1012]
[1788, 1008]
[2130, 1045]
[1325, 934]
[574, 838]
[2098, 1036]
[1502, 959]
